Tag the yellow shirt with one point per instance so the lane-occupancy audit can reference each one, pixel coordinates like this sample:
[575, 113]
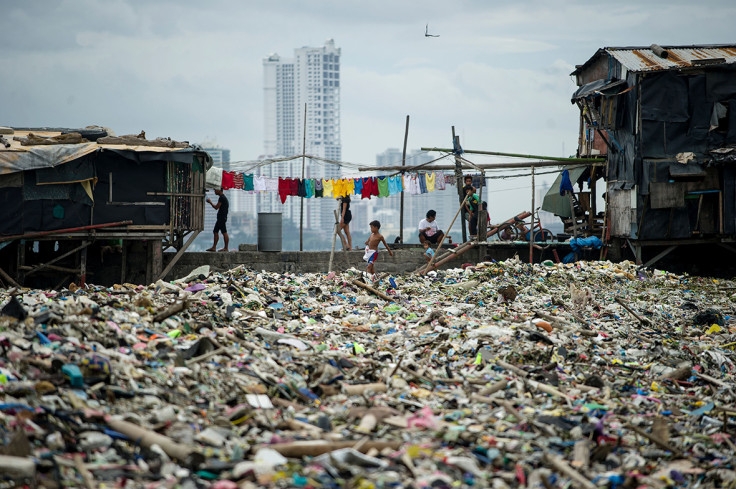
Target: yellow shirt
[349, 186]
[327, 188]
[430, 181]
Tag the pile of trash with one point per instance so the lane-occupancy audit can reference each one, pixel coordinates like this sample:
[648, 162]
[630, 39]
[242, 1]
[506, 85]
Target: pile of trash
[495, 375]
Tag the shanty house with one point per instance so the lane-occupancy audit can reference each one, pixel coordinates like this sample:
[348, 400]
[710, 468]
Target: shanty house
[665, 117]
[65, 192]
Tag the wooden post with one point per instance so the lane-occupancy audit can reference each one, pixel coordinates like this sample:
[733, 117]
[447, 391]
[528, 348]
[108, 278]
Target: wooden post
[334, 238]
[531, 234]
[459, 179]
[124, 261]
[482, 220]
[83, 268]
[403, 163]
[301, 203]
[574, 219]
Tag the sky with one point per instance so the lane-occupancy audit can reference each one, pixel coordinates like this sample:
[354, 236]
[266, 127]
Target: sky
[192, 70]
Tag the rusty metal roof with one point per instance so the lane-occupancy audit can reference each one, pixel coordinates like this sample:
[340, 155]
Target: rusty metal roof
[643, 59]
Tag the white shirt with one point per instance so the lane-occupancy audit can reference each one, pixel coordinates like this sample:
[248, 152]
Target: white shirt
[423, 224]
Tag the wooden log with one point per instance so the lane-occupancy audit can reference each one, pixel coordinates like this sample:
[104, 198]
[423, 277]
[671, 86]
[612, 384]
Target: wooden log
[560, 466]
[314, 448]
[372, 290]
[359, 389]
[642, 320]
[183, 453]
[493, 388]
[655, 439]
[170, 311]
[17, 466]
[8, 278]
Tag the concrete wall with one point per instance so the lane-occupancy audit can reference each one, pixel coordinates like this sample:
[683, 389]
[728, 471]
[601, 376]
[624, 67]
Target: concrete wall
[403, 261]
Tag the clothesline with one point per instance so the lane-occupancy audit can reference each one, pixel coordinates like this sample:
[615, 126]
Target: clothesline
[365, 187]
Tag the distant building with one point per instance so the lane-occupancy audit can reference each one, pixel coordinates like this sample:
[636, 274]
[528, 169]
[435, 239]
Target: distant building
[311, 78]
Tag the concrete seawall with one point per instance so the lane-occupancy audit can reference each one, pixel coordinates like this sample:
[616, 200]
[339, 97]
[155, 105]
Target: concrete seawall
[404, 260]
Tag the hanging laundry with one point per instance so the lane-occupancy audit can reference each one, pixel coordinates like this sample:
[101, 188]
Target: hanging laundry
[228, 178]
[309, 187]
[272, 184]
[365, 192]
[318, 187]
[238, 180]
[349, 186]
[301, 188]
[374, 187]
[213, 177]
[248, 183]
[382, 186]
[259, 183]
[284, 189]
[422, 183]
[327, 186]
[440, 181]
[413, 184]
[430, 177]
[394, 185]
[358, 186]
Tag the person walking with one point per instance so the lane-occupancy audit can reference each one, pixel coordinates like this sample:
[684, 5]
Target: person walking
[345, 217]
[222, 207]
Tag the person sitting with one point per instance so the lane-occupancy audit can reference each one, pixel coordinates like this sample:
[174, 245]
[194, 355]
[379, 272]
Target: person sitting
[429, 230]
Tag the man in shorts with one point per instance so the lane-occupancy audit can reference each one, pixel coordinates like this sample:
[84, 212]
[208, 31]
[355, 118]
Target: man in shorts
[222, 207]
[429, 230]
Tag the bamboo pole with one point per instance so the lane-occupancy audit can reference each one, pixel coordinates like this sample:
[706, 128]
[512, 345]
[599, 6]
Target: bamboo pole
[531, 233]
[403, 163]
[519, 155]
[334, 238]
[459, 182]
[314, 448]
[301, 201]
[373, 290]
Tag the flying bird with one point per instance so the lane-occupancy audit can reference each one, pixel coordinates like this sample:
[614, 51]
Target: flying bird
[427, 34]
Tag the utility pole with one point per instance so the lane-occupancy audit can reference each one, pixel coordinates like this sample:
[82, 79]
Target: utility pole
[403, 163]
[301, 203]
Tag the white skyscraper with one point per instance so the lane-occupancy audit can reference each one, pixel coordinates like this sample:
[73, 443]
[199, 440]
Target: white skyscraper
[311, 78]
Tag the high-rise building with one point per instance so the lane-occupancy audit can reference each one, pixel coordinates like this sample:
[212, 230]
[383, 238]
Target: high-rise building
[310, 80]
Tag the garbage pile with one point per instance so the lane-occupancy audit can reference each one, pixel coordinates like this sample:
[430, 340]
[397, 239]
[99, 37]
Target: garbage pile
[496, 375]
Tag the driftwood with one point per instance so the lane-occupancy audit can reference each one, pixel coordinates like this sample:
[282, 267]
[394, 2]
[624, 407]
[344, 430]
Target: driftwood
[170, 311]
[359, 389]
[318, 447]
[377, 292]
[184, 453]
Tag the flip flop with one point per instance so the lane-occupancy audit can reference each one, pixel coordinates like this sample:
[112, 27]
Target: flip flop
[210, 249]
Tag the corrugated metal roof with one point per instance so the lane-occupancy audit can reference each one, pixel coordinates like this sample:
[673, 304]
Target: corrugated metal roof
[644, 59]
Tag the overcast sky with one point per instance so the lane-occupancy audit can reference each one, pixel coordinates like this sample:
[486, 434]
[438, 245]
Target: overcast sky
[192, 70]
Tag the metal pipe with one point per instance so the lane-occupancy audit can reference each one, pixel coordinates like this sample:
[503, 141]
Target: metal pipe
[65, 230]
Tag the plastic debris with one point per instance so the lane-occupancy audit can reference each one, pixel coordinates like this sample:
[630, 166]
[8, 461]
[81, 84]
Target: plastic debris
[495, 375]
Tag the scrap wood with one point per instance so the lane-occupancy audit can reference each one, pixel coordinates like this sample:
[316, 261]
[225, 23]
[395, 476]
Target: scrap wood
[374, 291]
[170, 311]
[314, 448]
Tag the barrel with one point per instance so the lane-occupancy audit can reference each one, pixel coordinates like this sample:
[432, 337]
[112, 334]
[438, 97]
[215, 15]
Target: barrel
[269, 231]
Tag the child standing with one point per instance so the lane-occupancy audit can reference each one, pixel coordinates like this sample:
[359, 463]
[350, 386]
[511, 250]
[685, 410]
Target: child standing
[428, 251]
[371, 247]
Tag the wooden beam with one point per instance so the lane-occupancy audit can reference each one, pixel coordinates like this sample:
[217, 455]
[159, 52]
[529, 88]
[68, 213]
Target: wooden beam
[47, 265]
[178, 255]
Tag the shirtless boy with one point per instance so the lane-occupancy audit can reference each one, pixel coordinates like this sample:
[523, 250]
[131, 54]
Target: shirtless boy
[371, 246]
